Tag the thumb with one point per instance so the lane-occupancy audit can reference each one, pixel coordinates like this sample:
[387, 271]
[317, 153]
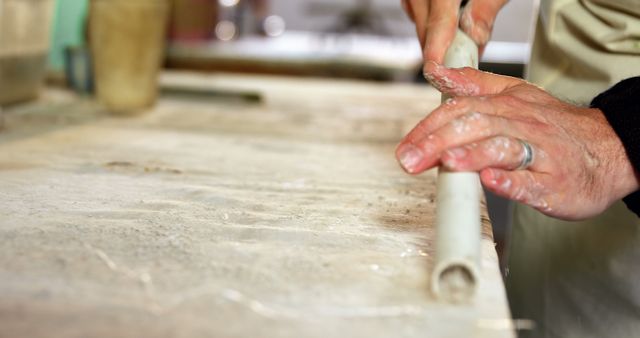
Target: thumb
[478, 17]
[467, 81]
[441, 28]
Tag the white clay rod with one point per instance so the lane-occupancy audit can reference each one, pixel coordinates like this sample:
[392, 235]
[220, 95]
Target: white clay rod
[458, 229]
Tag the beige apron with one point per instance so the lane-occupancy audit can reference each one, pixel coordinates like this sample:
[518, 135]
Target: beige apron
[580, 279]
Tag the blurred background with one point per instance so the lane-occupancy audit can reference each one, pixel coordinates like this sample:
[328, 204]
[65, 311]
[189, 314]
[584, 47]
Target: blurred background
[115, 49]
[366, 39]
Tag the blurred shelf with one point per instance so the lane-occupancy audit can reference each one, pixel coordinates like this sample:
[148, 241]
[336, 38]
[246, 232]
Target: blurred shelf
[305, 53]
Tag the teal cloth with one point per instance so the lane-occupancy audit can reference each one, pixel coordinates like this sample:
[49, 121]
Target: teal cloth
[68, 29]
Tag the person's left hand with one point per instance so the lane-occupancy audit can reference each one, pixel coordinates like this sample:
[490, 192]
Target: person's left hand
[579, 165]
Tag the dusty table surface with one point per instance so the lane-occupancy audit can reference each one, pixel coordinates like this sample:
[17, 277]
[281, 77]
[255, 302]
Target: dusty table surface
[221, 218]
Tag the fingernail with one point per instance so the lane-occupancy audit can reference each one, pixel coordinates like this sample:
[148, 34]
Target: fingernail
[410, 157]
[457, 153]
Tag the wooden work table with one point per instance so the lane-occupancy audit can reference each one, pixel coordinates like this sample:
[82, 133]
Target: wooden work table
[219, 217]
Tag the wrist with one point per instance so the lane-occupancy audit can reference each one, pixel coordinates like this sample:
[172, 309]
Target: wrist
[617, 174]
[621, 111]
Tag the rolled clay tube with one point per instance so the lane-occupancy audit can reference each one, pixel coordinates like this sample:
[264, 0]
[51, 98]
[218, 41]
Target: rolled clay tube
[455, 275]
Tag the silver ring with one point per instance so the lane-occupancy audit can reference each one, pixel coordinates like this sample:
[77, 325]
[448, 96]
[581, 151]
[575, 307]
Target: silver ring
[527, 155]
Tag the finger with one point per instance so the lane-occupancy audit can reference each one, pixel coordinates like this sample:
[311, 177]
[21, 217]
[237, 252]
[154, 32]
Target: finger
[442, 24]
[478, 17]
[467, 81]
[420, 13]
[416, 157]
[497, 152]
[521, 186]
[457, 107]
[407, 9]
[449, 110]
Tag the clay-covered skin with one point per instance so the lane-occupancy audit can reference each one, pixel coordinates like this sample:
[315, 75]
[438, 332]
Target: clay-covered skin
[436, 22]
[579, 166]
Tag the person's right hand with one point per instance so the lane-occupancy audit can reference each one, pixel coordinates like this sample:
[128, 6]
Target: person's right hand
[436, 22]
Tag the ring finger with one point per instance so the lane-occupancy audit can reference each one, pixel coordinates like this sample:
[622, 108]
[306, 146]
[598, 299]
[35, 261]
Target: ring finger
[496, 152]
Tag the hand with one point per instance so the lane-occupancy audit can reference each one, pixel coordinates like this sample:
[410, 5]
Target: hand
[579, 165]
[436, 22]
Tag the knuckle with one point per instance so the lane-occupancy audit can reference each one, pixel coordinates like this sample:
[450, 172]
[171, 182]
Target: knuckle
[439, 115]
[434, 143]
[503, 142]
[460, 126]
[449, 110]
[497, 149]
[472, 122]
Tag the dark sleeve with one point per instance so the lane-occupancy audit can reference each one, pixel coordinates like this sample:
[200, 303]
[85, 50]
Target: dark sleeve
[621, 106]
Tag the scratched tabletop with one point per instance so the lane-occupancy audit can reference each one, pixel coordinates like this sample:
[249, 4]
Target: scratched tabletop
[218, 216]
